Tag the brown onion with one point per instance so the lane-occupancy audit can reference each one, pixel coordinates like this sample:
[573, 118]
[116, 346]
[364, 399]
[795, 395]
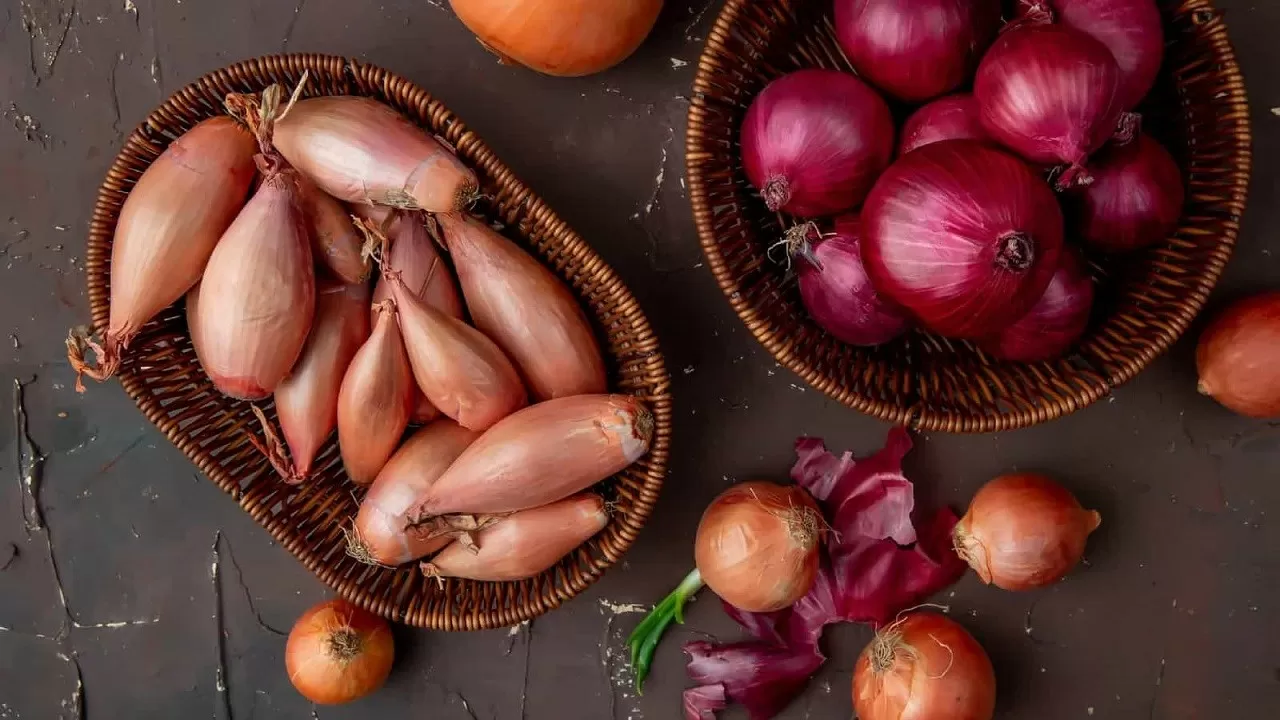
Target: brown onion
[924, 667]
[524, 544]
[362, 151]
[375, 399]
[338, 652]
[1237, 357]
[1023, 531]
[541, 454]
[460, 370]
[257, 295]
[307, 400]
[526, 309]
[168, 227]
[380, 536]
[336, 242]
[757, 545]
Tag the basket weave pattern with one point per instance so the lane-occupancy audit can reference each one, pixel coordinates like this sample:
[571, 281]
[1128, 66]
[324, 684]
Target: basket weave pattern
[161, 374]
[1199, 110]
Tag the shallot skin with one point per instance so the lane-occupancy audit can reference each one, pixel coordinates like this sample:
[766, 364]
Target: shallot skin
[257, 295]
[526, 310]
[380, 532]
[541, 454]
[1238, 357]
[525, 543]
[336, 243]
[374, 401]
[361, 151]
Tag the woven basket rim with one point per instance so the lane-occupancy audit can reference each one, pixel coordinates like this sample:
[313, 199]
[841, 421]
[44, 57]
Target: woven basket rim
[527, 597]
[1234, 102]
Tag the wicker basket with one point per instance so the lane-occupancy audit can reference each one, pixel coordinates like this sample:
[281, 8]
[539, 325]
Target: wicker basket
[163, 377]
[1198, 109]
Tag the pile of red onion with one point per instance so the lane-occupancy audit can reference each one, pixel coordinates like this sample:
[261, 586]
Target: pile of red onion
[960, 221]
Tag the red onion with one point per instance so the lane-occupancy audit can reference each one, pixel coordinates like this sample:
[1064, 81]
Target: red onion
[1130, 29]
[1055, 322]
[814, 141]
[916, 49]
[835, 288]
[1050, 93]
[962, 235]
[1135, 199]
[954, 117]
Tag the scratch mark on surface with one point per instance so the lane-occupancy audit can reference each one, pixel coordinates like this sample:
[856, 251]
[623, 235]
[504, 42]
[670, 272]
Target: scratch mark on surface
[106, 467]
[524, 686]
[115, 93]
[248, 597]
[514, 634]
[658, 180]
[8, 553]
[1151, 712]
[27, 125]
[697, 20]
[606, 663]
[293, 22]
[466, 706]
[220, 674]
[30, 465]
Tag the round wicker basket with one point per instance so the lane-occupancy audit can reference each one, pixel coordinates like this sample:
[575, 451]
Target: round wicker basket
[163, 377]
[1198, 109]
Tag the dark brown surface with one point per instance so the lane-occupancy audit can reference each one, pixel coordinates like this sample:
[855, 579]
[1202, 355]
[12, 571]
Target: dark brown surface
[1173, 618]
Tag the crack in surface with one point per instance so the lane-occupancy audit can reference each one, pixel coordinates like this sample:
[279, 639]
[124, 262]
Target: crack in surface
[220, 674]
[248, 597]
[30, 463]
[293, 22]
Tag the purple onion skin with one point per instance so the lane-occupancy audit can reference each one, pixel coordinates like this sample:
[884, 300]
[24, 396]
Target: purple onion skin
[814, 141]
[1131, 30]
[1057, 320]
[837, 292]
[954, 117]
[915, 50]
[962, 235]
[1135, 200]
[1049, 93]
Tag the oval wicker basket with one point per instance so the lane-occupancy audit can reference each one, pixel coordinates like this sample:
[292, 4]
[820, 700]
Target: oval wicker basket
[163, 377]
[1198, 109]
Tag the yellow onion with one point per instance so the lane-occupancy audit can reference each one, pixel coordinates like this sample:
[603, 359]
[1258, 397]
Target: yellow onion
[526, 310]
[336, 242]
[375, 399]
[168, 227]
[757, 545]
[524, 544]
[380, 536]
[257, 295]
[338, 652]
[560, 37]
[361, 151]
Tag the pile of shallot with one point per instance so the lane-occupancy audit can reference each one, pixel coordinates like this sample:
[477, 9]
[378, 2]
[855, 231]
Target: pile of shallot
[328, 261]
[956, 227]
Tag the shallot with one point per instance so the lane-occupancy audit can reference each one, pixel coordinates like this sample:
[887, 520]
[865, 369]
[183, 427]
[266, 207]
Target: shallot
[1238, 357]
[525, 309]
[375, 400]
[338, 653]
[335, 241]
[168, 227]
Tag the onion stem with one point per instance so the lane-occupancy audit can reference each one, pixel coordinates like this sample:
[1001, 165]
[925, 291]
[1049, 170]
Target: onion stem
[644, 639]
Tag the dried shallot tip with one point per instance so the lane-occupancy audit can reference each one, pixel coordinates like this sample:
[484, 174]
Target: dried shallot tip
[412, 254]
[459, 370]
[307, 399]
[543, 453]
[361, 151]
[529, 312]
[168, 227]
[257, 295]
[374, 400]
[523, 544]
[274, 450]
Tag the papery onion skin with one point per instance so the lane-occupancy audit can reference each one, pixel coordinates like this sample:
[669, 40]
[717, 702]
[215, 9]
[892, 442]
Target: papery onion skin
[1055, 322]
[361, 151]
[375, 400]
[1238, 357]
[338, 653]
[526, 310]
[757, 545]
[813, 142]
[1136, 197]
[963, 236]
[915, 50]
[1023, 531]
[837, 292]
[566, 38]
[541, 454]
[1050, 93]
[257, 295]
[1131, 30]
[523, 544]
[461, 372]
[335, 242]
[168, 227]
[380, 535]
[954, 117]
[925, 666]
[307, 399]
